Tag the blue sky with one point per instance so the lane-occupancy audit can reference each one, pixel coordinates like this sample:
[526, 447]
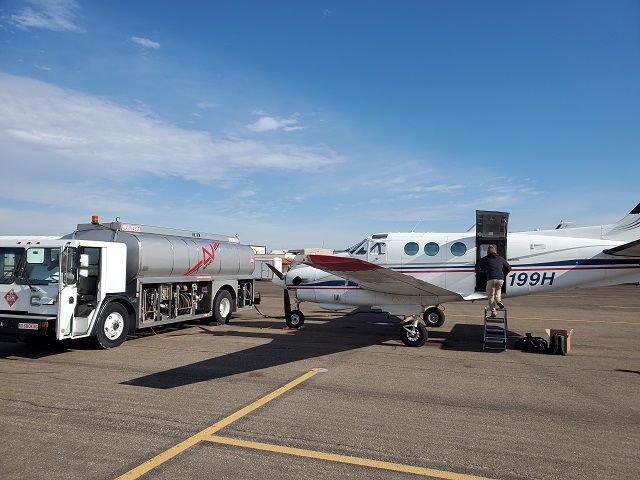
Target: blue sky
[316, 123]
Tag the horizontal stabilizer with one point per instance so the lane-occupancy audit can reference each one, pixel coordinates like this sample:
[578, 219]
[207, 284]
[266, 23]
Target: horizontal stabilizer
[631, 249]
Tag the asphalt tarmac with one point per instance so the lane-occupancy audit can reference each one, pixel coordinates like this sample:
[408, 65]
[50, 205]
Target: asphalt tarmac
[340, 398]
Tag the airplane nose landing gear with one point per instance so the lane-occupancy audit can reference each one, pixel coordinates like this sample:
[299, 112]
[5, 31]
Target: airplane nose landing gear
[413, 333]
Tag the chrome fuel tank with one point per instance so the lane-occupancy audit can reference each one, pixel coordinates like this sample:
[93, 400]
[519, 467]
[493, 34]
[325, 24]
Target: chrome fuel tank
[163, 252]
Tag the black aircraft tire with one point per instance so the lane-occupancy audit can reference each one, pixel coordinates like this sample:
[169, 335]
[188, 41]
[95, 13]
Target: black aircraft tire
[434, 317]
[295, 320]
[222, 307]
[413, 337]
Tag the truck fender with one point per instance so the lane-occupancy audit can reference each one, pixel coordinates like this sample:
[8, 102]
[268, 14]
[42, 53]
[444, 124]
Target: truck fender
[122, 300]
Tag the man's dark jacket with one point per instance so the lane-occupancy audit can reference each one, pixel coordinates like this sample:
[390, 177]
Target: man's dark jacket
[494, 266]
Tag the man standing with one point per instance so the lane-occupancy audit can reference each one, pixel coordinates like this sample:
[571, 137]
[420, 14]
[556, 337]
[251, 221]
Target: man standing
[495, 267]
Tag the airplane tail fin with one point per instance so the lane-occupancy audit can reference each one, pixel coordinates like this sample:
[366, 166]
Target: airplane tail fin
[626, 229]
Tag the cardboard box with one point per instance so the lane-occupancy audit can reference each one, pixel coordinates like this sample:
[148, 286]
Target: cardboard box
[565, 333]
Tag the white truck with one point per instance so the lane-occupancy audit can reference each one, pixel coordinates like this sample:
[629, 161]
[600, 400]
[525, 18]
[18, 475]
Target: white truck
[108, 280]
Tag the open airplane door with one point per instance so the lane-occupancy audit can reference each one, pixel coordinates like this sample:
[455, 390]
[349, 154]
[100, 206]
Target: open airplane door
[491, 229]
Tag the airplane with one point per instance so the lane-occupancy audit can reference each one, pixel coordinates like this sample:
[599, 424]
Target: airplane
[412, 274]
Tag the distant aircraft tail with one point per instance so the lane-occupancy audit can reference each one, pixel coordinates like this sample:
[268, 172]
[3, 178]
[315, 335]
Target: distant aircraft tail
[626, 229]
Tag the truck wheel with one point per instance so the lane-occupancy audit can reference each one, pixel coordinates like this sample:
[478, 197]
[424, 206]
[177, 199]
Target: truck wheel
[222, 307]
[112, 327]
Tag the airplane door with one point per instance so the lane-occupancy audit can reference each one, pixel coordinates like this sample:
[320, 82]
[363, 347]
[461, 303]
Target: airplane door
[491, 229]
[68, 292]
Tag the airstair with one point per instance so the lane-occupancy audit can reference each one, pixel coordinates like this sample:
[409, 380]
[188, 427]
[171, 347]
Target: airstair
[495, 330]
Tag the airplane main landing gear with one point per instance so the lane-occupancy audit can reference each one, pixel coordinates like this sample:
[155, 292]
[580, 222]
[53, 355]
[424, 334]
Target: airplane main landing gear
[434, 317]
[413, 333]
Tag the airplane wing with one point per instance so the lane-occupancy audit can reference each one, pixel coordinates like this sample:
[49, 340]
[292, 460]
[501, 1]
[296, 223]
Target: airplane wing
[376, 278]
[631, 249]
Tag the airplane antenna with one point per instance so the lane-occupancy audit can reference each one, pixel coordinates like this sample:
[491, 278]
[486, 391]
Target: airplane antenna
[414, 228]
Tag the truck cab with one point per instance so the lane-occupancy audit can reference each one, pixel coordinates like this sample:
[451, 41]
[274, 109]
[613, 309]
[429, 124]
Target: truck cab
[51, 288]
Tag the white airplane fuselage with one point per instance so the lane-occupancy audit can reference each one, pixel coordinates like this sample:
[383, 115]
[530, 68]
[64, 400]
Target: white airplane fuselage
[540, 261]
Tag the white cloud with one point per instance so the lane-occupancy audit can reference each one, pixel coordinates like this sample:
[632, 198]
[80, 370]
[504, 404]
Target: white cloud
[53, 129]
[145, 42]
[204, 105]
[267, 124]
[435, 188]
[55, 15]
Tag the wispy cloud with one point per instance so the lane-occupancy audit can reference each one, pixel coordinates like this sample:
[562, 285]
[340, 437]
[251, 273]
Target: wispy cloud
[145, 42]
[434, 188]
[55, 15]
[90, 134]
[205, 104]
[268, 123]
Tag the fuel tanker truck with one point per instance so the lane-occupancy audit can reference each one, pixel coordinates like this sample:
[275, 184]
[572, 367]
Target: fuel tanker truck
[108, 280]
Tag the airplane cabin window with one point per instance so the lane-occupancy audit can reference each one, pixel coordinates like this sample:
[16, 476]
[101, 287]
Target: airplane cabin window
[458, 249]
[431, 249]
[411, 248]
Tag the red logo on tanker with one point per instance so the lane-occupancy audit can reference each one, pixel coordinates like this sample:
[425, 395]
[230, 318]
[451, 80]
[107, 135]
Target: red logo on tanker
[11, 297]
[207, 258]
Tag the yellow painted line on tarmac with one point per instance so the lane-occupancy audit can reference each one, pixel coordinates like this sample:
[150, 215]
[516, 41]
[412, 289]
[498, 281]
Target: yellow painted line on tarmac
[363, 462]
[207, 432]
[207, 435]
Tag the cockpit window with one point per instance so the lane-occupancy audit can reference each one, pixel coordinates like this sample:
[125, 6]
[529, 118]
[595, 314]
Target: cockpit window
[358, 248]
[378, 249]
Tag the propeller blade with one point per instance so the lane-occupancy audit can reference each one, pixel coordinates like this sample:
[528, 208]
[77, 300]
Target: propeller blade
[275, 271]
[287, 304]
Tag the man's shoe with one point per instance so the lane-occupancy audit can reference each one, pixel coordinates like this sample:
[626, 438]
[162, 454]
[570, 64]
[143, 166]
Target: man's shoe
[500, 305]
[493, 315]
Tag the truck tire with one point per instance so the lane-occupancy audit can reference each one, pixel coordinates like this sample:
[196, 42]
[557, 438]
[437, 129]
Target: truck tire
[112, 326]
[222, 307]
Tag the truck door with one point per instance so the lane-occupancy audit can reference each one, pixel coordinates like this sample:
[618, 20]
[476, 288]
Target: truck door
[68, 292]
[491, 229]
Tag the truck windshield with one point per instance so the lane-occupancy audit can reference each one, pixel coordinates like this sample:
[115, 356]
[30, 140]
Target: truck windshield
[9, 260]
[42, 266]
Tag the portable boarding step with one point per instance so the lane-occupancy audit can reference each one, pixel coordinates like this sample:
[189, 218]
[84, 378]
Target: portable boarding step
[495, 330]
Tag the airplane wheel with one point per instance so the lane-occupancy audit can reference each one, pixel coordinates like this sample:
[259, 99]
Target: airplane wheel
[296, 319]
[434, 317]
[413, 336]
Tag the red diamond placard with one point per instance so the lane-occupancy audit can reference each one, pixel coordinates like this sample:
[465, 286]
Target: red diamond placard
[11, 297]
